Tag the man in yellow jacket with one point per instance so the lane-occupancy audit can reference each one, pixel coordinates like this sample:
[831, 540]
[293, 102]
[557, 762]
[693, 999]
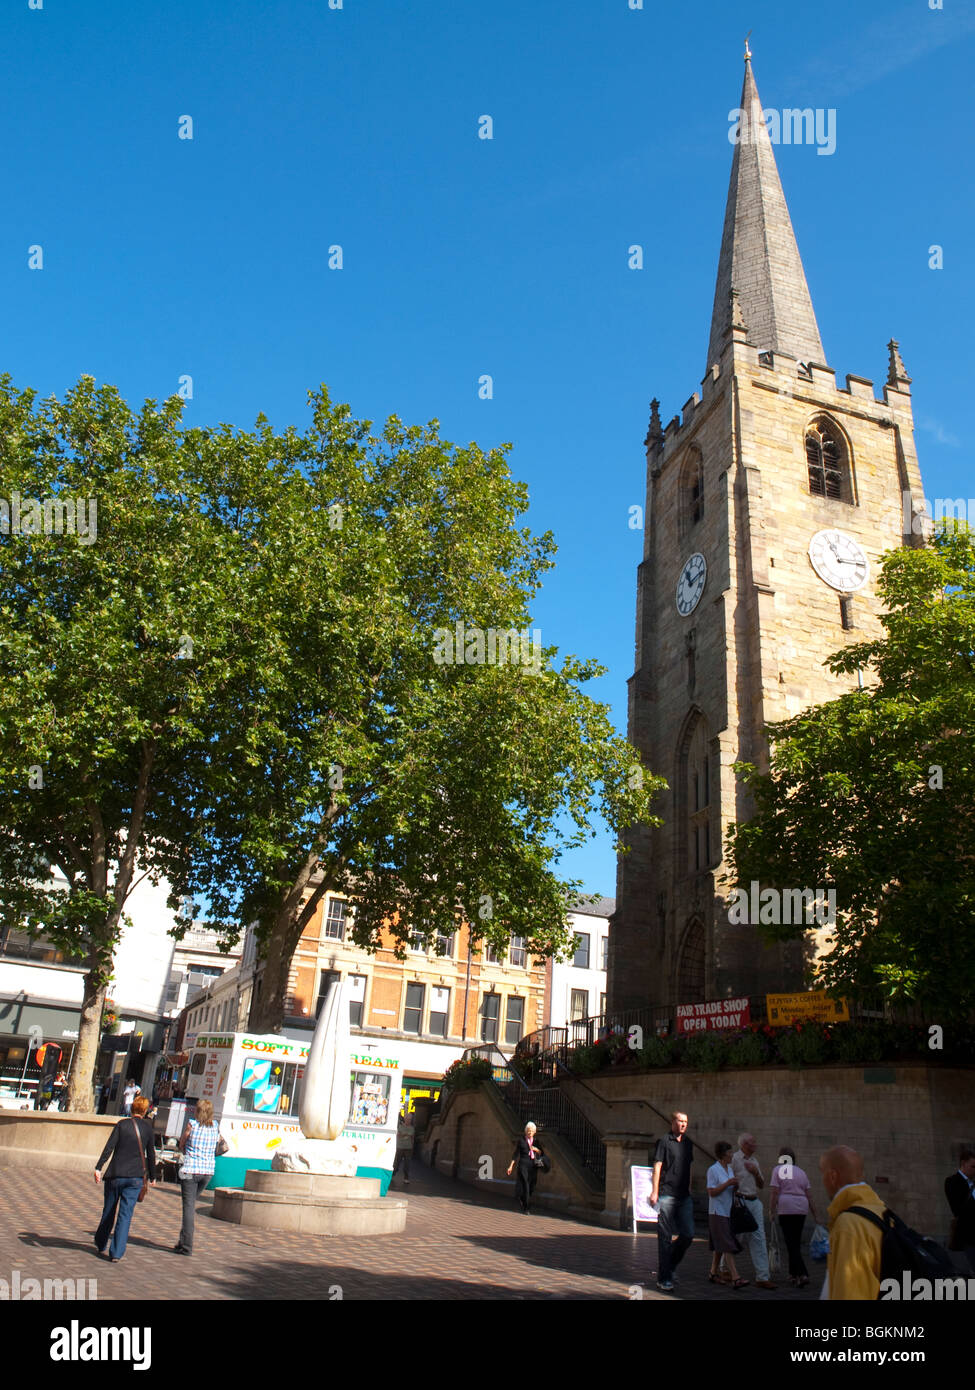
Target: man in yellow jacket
[853, 1270]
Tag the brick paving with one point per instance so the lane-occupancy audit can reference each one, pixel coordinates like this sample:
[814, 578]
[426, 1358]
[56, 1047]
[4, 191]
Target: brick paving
[458, 1244]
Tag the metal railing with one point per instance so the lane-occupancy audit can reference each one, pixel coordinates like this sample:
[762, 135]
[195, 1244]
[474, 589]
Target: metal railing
[549, 1108]
[540, 1056]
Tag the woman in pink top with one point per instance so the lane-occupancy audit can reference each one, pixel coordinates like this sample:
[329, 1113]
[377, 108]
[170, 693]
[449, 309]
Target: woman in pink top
[790, 1199]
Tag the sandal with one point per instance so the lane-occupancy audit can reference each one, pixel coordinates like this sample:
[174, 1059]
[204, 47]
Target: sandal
[713, 1278]
[739, 1283]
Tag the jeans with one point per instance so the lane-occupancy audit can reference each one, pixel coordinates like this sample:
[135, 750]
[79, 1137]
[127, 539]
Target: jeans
[120, 1195]
[754, 1241]
[676, 1215]
[191, 1187]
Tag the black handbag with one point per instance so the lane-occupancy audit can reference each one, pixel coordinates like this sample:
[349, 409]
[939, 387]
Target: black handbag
[742, 1221]
[542, 1163]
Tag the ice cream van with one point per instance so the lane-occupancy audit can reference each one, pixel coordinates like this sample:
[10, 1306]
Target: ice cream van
[254, 1082]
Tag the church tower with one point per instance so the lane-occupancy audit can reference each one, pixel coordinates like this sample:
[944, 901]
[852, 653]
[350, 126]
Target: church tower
[770, 500]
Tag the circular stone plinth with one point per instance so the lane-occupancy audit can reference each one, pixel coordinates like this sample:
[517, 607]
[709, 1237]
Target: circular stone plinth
[319, 1216]
[287, 1185]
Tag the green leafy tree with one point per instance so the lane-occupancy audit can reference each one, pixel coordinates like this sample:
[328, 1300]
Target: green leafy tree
[102, 690]
[874, 793]
[380, 756]
[234, 685]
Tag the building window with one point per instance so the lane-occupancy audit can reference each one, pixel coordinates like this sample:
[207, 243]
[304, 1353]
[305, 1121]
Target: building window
[417, 943]
[490, 954]
[846, 614]
[602, 1005]
[519, 953]
[604, 953]
[826, 464]
[335, 919]
[325, 982]
[357, 999]
[443, 944]
[514, 1019]
[439, 1011]
[690, 971]
[581, 958]
[578, 1005]
[490, 1009]
[691, 491]
[413, 1008]
[698, 803]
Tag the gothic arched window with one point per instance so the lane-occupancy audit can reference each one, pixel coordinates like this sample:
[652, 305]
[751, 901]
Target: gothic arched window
[694, 848]
[691, 491]
[690, 966]
[827, 460]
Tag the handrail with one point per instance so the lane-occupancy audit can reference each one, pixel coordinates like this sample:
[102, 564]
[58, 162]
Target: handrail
[554, 1108]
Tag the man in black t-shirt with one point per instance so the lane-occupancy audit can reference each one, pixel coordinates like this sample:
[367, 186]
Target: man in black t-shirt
[672, 1190]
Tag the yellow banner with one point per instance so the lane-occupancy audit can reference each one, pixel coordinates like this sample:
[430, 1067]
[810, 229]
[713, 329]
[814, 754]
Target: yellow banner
[813, 1005]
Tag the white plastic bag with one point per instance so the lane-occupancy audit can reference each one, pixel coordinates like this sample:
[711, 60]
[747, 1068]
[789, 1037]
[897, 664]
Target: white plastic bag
[774, 1253]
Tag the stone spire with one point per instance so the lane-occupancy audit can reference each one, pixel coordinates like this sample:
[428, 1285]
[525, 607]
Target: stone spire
[655, 435]
[896, 373]
[759, 256]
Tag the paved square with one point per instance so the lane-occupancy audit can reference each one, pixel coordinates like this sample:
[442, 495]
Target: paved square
[458, 1244]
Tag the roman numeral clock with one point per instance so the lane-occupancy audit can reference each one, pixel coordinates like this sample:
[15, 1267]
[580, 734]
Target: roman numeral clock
[838, 561]
[690, 585]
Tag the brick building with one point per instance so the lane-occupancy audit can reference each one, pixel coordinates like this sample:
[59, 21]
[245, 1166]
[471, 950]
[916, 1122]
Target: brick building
[437, 1000]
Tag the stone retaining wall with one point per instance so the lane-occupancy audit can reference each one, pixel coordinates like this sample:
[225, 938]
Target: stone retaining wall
[907, 1121]
[52, 1139]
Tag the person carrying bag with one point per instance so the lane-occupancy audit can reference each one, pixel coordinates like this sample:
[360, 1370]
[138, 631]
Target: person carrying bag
[131, 1152]
[201, 1145]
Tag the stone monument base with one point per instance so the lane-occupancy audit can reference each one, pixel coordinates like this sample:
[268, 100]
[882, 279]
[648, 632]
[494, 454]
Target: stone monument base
[310, 1204]
[323, 1156]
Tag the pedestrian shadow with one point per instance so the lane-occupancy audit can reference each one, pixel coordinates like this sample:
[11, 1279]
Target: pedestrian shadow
[628, 1260]
[39, 1242]
[276, 1282]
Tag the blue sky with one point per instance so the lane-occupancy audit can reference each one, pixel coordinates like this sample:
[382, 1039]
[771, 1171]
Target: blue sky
[358, 127]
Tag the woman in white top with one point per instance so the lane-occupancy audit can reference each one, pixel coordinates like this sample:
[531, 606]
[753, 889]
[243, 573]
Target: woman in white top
[721, 1183]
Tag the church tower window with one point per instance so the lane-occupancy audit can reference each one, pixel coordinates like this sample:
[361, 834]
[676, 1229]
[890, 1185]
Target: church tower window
[826, 459]
[695, 798]
[691, 491]
[691, 968]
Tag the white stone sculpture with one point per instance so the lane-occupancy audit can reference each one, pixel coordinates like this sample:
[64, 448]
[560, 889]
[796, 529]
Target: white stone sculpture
[325, 1096]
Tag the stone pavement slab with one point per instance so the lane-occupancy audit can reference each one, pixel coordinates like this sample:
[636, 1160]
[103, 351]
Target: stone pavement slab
[458, 1244]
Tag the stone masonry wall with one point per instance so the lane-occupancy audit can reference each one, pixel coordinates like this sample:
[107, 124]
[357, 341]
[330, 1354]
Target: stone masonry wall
[906, 1121]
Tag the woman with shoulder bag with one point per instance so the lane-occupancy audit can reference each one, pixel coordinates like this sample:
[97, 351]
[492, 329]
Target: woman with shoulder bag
[529, 1159]
[132, 1151]
[201, 1143]
[722, 1188]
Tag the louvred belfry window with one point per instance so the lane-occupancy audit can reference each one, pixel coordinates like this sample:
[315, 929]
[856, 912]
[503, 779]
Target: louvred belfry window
[825, 461]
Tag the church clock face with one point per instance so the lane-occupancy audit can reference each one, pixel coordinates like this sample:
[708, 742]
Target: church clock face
[838, 561]
[690, 586]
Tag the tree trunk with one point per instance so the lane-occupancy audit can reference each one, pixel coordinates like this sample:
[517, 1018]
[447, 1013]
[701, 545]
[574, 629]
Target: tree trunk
[81, 1082]
[82, 1079]
[267, 1008]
